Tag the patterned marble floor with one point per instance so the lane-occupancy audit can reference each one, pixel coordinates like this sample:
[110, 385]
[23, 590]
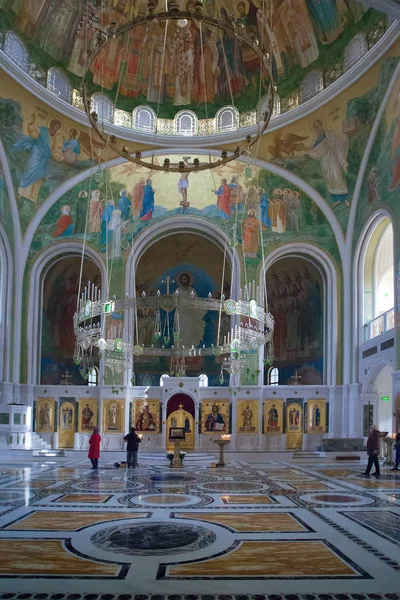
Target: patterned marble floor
[254, 530]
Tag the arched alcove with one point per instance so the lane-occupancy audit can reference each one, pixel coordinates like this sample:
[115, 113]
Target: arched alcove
[60, 289]
[316, 357]
[378, 388]
[295, 300]
[193, 265]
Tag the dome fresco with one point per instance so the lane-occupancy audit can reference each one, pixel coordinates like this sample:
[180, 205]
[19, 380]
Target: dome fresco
[171, 67]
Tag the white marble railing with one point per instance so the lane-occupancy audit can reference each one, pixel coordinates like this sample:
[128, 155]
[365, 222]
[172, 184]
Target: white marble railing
[379, 325]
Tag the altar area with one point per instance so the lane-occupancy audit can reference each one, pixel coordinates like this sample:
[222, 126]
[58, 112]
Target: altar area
[255, 418]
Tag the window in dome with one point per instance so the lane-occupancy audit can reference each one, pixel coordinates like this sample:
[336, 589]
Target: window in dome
[103, 106]
[144, 119]
[312, 85]
[273, 376]
[59, 84]
[15, 50]
[276, 110]
[355, 50]
[186, 123]
[203, 380]
[227, 119]
[93, 376]
[162, 378]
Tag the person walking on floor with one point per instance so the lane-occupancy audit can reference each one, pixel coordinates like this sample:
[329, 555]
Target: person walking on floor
[94, 448]
[397, 458]
[373, 452]
[132, 446]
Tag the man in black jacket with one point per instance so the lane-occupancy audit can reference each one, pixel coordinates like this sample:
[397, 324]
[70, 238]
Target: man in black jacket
[132, 447]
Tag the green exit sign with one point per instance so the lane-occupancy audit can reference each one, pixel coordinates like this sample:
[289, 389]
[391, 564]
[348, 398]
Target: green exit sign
[385, 398]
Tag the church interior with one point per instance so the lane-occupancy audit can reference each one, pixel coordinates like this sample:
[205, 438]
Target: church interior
[199, 244]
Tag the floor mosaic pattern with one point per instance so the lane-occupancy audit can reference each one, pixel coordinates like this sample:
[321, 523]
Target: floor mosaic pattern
[266, 530]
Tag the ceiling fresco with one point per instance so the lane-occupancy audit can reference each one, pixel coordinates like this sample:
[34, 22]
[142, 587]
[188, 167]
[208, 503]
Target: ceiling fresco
[199, 68]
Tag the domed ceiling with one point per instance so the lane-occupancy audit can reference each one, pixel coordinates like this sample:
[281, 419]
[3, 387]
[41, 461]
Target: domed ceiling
[187, 66]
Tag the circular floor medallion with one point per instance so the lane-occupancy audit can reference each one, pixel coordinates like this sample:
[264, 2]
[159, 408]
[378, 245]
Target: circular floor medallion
[156, 538]
[233, 486]
[335, 498]
[172, 478]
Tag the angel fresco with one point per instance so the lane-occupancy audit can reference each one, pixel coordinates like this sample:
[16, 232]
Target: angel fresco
[288, 144]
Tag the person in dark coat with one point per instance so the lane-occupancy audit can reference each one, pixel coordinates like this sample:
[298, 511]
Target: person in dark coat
[373, 451]
[397, 458]
[94, 448]
[132, 446]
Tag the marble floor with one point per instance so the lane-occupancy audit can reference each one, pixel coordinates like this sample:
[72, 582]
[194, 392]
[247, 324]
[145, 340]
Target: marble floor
[261, 528]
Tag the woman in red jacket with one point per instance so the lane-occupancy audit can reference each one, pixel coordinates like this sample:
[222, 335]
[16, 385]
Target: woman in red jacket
[94, 448]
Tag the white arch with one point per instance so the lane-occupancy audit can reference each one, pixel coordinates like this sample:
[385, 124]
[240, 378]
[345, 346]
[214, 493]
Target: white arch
[6, 304]
[358, 277]
[367, 385]
[326, 267]
[39, 270]
[154, 233]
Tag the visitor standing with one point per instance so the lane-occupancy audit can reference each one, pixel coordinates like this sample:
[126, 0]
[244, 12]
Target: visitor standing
[373, 451]
[94, 448]
[397, 458]
[132, 446]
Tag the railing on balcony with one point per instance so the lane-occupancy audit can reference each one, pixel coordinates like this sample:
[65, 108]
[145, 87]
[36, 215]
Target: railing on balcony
[379, 325]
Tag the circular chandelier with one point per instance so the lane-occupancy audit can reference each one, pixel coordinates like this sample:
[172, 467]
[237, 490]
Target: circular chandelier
[232, 28]
[94, 329]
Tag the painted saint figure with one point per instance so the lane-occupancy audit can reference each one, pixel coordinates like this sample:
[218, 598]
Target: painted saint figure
[44, 417]
[146, 421]
[71, 148]
[114, 227]
[137, 198]
[251, 234]
[223, 202]
[215, 421]
[273, 418]
[316, 417]
[147, 210]
[95, 212]
[105, 238]
[112, 417]
[43, 143]
[264, 208]
[124, 205]
[247, 422]
[87, 415]
[81, 212]
[331, 151]
[64, 226]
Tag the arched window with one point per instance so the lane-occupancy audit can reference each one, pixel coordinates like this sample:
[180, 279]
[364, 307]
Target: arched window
[203, 380]
[103, 106]
[162, 378]
[59, 84]
[378, 280]
[15, 50]
[312, 85]
[93, 376]
[355, 50]
[384, 273]
[144, 119]
[276, 110]
[227, 119]
[185, 123]
[273, 376]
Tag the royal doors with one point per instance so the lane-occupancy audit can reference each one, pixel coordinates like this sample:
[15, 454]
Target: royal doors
[180, 413]
[294, 426]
